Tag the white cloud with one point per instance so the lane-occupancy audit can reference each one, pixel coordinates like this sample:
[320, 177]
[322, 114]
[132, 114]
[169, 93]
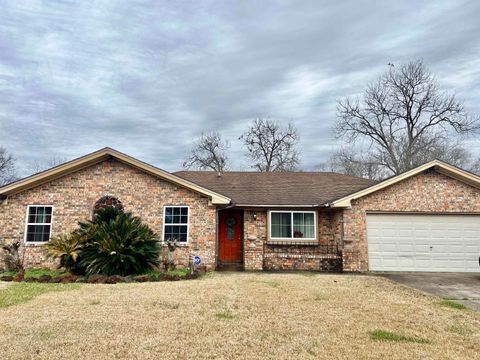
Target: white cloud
[147, 77]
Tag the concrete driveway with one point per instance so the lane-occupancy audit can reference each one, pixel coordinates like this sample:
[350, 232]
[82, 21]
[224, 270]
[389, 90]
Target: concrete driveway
[463, 287]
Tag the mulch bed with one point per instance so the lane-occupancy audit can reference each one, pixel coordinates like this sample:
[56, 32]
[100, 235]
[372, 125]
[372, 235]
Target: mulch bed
[98, 279]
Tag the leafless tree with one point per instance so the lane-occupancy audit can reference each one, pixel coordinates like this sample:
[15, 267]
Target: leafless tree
[41, 165]
[7, 167]
[475, 166]
[402, 121]
[271, 147]
[349, 162]
[323, 167]
[208, 153]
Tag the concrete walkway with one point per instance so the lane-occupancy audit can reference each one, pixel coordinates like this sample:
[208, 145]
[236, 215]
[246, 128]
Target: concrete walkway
[463, 287]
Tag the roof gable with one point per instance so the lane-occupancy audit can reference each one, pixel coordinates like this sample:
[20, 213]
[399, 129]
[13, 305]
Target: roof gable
[440, 166]
[101, 155]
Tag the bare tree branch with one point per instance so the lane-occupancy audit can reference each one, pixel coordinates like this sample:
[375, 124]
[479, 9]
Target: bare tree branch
[351, 163]
[404, 119]
[208, 153]
[7, 167]
[38, 165]
[271, 147]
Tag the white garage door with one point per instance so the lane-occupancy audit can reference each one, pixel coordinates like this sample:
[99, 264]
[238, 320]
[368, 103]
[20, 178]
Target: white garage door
[443, 243]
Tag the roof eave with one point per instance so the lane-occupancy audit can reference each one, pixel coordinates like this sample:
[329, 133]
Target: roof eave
[101, 155]
[53, 173]
[440, 166]
[279, 205]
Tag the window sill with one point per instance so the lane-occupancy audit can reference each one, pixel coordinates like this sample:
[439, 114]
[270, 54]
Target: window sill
[35, 244]
[163, 243]
[292, 242]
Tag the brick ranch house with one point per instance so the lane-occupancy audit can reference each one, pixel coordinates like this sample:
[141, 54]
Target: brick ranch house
[427, 219]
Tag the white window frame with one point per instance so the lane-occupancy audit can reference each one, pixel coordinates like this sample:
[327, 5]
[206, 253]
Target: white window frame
[270, 212]
[187, 224]
[27, 223]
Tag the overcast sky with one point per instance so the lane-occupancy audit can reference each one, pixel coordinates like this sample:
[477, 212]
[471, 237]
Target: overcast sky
[147, 77]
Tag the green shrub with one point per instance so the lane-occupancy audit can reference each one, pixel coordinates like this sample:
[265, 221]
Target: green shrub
[67, 248]
[112, 243]
[117, 243]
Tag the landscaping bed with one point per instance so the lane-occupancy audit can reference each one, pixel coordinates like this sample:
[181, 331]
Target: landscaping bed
[64, 277]
[113, 247]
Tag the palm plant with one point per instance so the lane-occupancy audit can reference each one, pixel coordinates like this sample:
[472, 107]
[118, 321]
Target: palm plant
[100, 216]
[118, 243]
[67, 248]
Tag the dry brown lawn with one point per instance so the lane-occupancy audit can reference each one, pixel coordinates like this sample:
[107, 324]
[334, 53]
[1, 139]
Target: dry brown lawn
[238, 315]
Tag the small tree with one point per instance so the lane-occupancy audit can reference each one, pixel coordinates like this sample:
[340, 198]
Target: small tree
[208, 153]
[402, 121]
[271, 147]
[168, 254]
[12, 258]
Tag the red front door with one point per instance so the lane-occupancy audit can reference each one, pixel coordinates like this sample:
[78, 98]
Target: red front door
[230, 235]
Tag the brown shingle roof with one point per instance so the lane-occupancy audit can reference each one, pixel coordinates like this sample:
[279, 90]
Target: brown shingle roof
[281, 188]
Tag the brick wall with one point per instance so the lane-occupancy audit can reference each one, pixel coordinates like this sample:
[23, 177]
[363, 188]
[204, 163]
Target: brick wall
[426, 192]
[254, 237]
[341, 233]
[73, 197]
[326, 255]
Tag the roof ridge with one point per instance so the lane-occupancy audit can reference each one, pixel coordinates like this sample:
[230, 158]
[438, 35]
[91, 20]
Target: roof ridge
[269, 173]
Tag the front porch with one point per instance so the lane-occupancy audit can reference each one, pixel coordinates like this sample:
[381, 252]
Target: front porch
[243, 243]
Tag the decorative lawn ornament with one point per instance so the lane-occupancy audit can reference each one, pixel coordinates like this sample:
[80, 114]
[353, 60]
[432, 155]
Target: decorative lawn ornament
[197, 260]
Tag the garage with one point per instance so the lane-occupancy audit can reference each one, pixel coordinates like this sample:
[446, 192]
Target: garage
[418, 242]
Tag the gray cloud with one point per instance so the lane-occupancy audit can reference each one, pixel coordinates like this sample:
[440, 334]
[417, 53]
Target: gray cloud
[148, 77]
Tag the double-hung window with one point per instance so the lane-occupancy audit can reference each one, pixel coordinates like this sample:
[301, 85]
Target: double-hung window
[175, 223]
[293, 225]
[39, 223]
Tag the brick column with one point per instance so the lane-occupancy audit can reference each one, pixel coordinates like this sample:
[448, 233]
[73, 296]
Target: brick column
[254, 236]
[354, 234]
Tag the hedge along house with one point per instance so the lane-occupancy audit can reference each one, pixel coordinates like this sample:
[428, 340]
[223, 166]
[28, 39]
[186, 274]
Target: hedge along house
[427, 219]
